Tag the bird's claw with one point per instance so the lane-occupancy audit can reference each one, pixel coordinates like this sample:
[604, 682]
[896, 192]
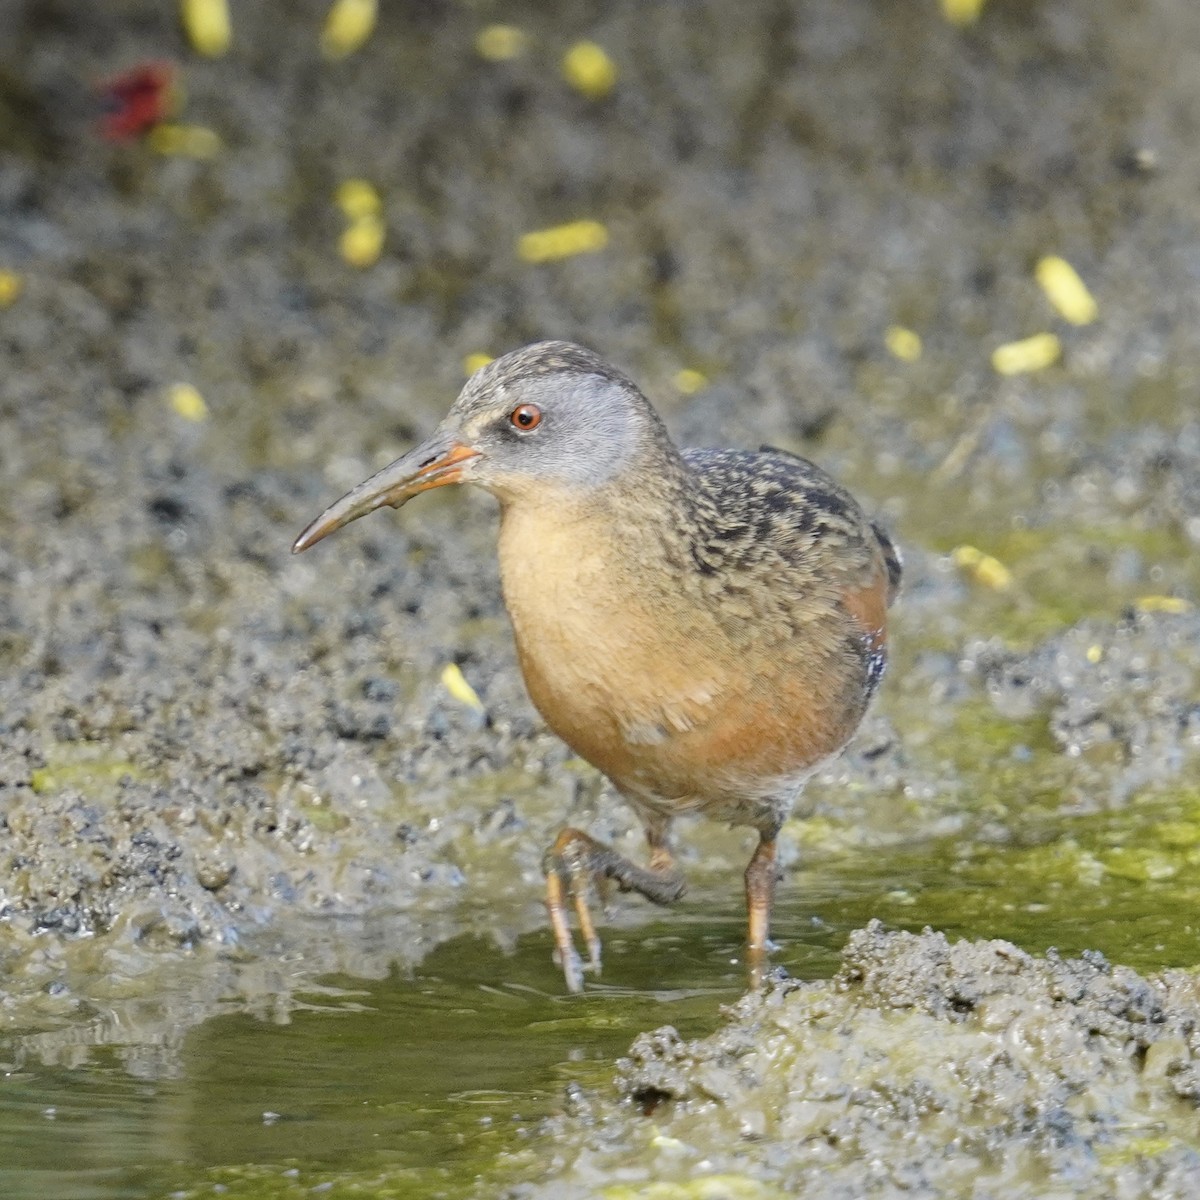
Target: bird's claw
[572, 967]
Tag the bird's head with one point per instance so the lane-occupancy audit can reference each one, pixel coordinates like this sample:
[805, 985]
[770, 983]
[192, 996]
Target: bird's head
[542, 422]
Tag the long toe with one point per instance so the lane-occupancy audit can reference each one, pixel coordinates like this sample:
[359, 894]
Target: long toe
[565, 954]
[572, 967]
[587, 927]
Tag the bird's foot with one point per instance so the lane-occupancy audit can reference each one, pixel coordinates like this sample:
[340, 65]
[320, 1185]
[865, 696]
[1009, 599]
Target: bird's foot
[577, 866]
[567, 876]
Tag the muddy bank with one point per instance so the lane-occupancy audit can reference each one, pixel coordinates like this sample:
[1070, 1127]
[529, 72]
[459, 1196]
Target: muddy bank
[921, 1069]
[202, 735]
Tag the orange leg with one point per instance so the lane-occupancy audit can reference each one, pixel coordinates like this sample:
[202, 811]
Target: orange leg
[574, 864]
[761, 876]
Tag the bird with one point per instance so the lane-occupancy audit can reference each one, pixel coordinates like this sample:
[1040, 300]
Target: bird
[706, 627]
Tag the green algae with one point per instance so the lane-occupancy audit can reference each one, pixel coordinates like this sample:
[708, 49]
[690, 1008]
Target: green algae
[322, 818]
[1062, 575]
[1124, 882]
[1138, 1147]
[1060, 571]
[94, 775]
[1023, 862]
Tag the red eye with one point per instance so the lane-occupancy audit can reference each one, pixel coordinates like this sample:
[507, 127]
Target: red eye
[526, 417]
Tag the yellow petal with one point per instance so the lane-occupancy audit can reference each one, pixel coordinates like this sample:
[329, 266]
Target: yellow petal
[456, 684]
[11, 286]
[185, 141]
[348, 25]
[690, 381]
[1162, 604]
[362, 242]
[962, 12]
[187, 402]
[499, 43]
[1065, 290]
[589, 70]
[1029, 354]
[562, 241]
[902, 343]
[475, 362]
[207, 25]
[983, 568]
[358, 198]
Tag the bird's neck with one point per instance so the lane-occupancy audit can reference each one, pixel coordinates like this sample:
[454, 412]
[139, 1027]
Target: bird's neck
[644, 516]
[572, 552]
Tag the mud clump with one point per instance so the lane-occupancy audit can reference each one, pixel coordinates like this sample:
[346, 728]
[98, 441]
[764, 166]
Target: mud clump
[922, 1069]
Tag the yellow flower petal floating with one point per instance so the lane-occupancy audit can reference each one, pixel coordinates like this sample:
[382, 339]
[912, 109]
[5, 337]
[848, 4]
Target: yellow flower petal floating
[187, 402]
[562, 241]
[902, 343]
[207, 25]
[981, 567]
[475, 362]
[499, 43]
[11, 286]
[1162, 604]
[589, 70]
[1065, 290]
[357, 198]
[690, 381]
[185, 141]
[962, 12]
[347, 27]
[362, 242]
[455, 682]
[1029, 354]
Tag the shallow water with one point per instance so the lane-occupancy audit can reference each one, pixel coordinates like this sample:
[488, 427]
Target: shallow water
[440, 1068]
[424, 1082]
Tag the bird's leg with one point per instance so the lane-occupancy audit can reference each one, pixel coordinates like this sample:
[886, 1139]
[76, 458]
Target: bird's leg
[761, 875]
[575, 863]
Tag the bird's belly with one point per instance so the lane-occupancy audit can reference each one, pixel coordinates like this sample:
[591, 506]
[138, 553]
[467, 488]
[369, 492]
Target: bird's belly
[729, 747]
[592, 703]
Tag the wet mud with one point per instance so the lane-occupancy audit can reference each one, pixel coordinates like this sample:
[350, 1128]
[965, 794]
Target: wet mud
[922, 1068]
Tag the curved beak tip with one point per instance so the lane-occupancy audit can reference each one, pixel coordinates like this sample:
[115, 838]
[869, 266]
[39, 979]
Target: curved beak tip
[312, 533]
[430, 465]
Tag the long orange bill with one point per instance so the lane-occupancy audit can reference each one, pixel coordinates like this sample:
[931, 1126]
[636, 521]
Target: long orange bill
[434, 463]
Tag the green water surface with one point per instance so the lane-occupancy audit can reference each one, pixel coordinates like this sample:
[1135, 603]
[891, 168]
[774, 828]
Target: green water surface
[424, 1085]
